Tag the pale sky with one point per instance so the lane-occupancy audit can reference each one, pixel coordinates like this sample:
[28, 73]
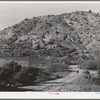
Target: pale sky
[12, 13]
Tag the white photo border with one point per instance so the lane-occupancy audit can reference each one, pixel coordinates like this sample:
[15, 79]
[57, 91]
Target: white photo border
[49, 95]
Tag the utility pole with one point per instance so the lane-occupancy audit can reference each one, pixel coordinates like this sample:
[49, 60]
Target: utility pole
[98, 58]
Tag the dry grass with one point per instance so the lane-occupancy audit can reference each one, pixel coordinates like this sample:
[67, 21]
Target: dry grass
[78, 88]
[83, 85]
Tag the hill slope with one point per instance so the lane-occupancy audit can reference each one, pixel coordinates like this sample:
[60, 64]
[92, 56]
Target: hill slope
[52, 35]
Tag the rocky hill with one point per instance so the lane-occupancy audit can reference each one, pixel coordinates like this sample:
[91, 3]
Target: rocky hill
[53, 35]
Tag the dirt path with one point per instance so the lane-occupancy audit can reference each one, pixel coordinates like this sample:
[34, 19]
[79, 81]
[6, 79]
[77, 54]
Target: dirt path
[55, 85]
[66, 79]
[62, 84]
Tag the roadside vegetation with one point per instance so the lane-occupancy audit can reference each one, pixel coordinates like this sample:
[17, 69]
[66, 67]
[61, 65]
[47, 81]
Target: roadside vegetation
[89, 65]
[13, 75]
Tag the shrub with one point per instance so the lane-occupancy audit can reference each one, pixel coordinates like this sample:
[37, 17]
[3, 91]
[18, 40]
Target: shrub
[89, 65]
[8, 71]
[44, 76]
[86, 72]
[90, 11]
[16, 26]
[97, 14]
[12, 66]
[85, 76]
[27, 75]
[56, 67]
[95, 79]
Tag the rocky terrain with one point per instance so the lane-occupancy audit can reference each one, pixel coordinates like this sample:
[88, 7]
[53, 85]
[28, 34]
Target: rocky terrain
[60, 49]
[69, 34]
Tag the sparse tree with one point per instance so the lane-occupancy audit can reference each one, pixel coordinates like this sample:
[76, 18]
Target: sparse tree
[90, 11]
[97, 14]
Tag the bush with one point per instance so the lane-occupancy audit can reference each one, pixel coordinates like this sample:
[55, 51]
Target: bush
[56, 67]
[89, 65]
[86, 72]
[86, 76]
[8, 71]
[97, 14]
[95, 79]
[13, 74]
[45, 76]
[90, 11]
[27, 75]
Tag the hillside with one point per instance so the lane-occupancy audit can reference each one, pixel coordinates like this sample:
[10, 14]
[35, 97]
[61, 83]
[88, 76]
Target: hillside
[62, 35]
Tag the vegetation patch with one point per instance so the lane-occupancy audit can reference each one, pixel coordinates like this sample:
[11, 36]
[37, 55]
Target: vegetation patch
[56, 67]
[14, 75]
[89, 65]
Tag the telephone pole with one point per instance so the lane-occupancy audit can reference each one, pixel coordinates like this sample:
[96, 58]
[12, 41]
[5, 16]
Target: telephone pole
[98, 58]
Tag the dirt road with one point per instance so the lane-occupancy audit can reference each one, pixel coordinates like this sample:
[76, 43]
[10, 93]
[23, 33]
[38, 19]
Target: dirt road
[55, 85]
[59, 84]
